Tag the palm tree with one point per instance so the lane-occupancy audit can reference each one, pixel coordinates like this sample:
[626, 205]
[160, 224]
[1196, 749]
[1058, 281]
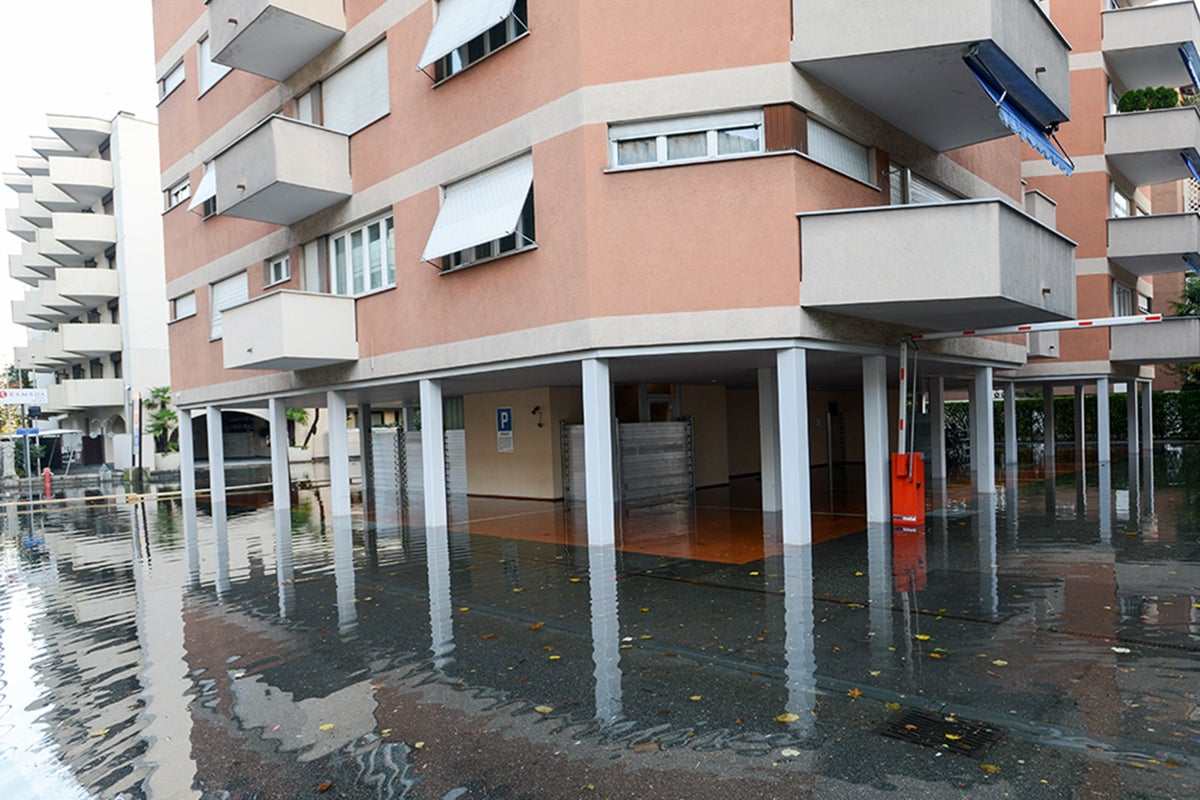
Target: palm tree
[163, 419]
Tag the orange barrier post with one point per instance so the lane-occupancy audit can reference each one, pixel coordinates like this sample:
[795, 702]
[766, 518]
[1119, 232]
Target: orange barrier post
[908, 489]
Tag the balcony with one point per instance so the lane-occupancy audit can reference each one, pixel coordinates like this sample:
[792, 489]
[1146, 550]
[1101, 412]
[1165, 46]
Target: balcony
[18, 271]
[1154, 245]
[273, 39]
[47, 352]
[83, 134]
[19, 182]
[19, 226]
[51, 249]
[966, 264]
[91, 340]
[33, 213]
[52, 198]
[1147, 146]
[88, 286]
[86, 234]
[86, 180]
[289, 331]
[33, 166]
[22, 317]
[51, 146]
[52, 306]
[88, 393]
[1141, 44]
[904, 62]
[33, 260]
[283, 171]
[1175, 340]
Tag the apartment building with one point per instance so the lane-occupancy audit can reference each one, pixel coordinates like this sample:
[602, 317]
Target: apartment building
[556, 226]
[1131, 205]
[88, 217]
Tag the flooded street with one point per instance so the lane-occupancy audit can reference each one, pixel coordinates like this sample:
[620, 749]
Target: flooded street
[1045, 643]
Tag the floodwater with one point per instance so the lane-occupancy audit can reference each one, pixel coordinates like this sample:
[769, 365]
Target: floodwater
[1043, 643]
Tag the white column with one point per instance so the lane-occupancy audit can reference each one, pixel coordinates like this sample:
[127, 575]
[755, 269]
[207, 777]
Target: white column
[433, 454]
[875, 431]
[982, 414]
[1148, 417]
[606, 633]
[187, 485]
[1132, 417]
[1010, 423]
[799, 650]
[339, 454]
[1048, 431]
[216, 484]
[1103, 433]
[366, 460]
[794, 475]
[343, 572]
[768, 437]
[280, 480]
[598, 451]
[937, 427]
[1080, 426]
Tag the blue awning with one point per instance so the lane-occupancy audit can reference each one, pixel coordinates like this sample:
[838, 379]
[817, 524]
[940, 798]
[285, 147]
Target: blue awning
[1191, 62]
[1193, 261]
[1020, 123]
[1192, 159]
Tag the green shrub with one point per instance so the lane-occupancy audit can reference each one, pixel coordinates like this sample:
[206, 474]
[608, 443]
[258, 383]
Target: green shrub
[1147, 99]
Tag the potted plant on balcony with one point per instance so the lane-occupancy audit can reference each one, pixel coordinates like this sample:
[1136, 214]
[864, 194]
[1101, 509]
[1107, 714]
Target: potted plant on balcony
[1148, 99]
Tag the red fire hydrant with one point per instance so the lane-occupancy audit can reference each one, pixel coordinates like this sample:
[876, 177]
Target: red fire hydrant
[46, 475]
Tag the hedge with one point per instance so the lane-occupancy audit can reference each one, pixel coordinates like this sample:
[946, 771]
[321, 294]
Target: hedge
[1176, 417]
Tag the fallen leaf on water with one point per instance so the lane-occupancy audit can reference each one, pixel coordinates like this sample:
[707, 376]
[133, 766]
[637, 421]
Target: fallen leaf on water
[1000, 663]
[858, 574]
[855, 693]
[935, 655]
[101, 732]
[488, 636]
[543, 709]
[576, 580]
[518, 589]
[536, 625]
[1121, 650]
[788, 717]
[555, 658]
[910, 727]
[645, 747]
[990, 769]
[643, 609]
[874, 673]
[921, 637]
[465, 608]
[418, 745]
[789, 752]
[325, 787]
[547, 647]
[754, 574]
[385, 732]
[694, 697]
[954, 737]
[645, 636]
[892, 706]
[328, 726]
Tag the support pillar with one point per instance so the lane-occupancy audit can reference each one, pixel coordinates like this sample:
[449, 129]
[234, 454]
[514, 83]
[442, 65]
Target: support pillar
[1010, 423]
[1103, 431]
[216, 484]
[280, 480]
[937, 427]
[1080, 427]
[1132, 417]
[1148, 417]
[598, 451]
[1048, 431]
[794, 476]
[366, 460]
[433, 454]
[875, 431]
[768, 437]
[187, 485]
[983, 450]
[339, 455]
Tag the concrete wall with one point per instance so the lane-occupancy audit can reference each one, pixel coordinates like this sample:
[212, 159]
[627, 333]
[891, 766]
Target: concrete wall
[706, 406]
[741, 425]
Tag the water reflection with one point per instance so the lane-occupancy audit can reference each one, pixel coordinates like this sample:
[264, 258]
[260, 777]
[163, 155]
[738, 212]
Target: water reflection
[606, 632]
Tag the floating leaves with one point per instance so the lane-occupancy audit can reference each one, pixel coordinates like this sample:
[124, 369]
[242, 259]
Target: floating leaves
[1000, 663]
[694, 697]
[537, 625]
[921, 637]
[990, 769]
[788, 717]
[555, 657]
[789, 752]
[101, 732]
[325, 787]
[543, 709]
[646, 747]
[892, 706]
[328, 726]
[854, 693]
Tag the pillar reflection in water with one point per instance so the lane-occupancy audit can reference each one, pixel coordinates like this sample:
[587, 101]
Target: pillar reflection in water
[1149, 517]
[191, 538]
[1105, 501]
[606, 632]
[989, 575]
[879, 569]
[1012, 497]
[343, 574]
[284, 566]
[441, 610]
[220, 520]
[799, 650]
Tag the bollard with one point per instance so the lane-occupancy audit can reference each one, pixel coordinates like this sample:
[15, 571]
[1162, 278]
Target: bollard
[46, 476]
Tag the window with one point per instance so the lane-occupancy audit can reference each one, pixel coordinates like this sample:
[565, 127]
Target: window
[363, 259]
[210, 71]
[1143, 303]
[1122, 204]
[114, 312]
[908, 187]
[183, 306]
[839, 152]
[77, 372]
[171, 81]
[178, 193]
[485, 216]
[226, 294]
[468, 31]
[308, 106]
[204, 200]
[93, 316]
[357, 94]
[1122, 300]
[701, 138]
[278, 270]
[96, 368]
[116, 364]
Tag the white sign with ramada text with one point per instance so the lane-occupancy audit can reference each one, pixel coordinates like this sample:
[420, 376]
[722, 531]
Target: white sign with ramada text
[23, 397]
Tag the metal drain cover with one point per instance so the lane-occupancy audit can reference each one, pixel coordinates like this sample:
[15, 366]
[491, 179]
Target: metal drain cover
[942, 732]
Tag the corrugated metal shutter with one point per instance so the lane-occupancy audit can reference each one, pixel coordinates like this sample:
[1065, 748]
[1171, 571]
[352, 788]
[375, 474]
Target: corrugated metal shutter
[840, 152]
[414, 467]
[456, 462]
[225, 294]
[574, 465]
[656, 462]
[357, 94]
[385, 461]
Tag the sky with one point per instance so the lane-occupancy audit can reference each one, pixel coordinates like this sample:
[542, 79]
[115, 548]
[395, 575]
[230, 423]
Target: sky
[82, 57]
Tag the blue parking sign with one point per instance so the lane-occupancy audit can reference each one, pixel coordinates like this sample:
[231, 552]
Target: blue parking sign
[504, 420]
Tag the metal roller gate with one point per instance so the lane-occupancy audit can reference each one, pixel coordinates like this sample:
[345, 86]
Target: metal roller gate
[655, 463]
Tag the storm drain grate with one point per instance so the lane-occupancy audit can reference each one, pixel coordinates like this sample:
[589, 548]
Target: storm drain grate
[942, 733]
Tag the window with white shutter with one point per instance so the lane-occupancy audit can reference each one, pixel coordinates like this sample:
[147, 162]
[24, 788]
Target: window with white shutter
[357, 94]
[226, 294]
[839, 152]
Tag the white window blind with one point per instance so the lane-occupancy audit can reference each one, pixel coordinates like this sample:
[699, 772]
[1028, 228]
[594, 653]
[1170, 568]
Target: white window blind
[481, 208]
[185, 305]
[206, 190]
[226, 294]
[921, 190]
[210, 71]
[171, 81]
[312, 267]
[839, 152]
[357, 94]
[460, 21]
